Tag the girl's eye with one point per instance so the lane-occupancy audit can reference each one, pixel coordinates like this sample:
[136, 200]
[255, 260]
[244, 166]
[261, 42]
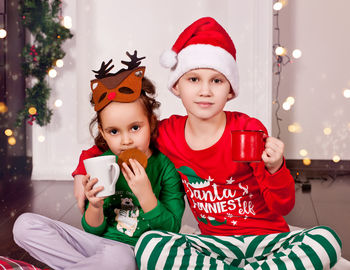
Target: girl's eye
[193, 79]
[217, 80]
[113, 131]
[135, 128]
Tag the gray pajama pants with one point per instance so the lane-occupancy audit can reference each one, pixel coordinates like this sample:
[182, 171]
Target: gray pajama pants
[62, 246]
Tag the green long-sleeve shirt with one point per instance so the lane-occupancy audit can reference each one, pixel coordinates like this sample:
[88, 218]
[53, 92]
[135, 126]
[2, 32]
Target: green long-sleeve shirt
[125, 220]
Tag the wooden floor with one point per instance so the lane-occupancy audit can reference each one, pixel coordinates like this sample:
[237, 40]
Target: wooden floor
[328, 203]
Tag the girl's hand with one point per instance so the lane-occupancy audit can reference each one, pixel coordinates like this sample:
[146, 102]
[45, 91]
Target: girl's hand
[91, 192]
[273, 154]
[140, 185]
[79, 192]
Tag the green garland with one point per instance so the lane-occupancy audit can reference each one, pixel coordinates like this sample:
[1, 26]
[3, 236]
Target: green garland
[41, 18]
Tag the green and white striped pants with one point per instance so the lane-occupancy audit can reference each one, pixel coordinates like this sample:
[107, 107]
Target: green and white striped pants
[315, 248]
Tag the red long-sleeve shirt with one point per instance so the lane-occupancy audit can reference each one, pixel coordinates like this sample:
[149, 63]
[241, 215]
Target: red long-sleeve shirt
[226, 197]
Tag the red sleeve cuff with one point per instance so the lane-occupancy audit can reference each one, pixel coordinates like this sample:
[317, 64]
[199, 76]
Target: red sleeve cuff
[85, 154]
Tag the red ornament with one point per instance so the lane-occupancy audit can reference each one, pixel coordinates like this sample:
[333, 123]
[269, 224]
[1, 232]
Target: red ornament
[31, 119]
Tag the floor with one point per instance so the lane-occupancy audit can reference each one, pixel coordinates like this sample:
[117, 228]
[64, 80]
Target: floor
[327, 203]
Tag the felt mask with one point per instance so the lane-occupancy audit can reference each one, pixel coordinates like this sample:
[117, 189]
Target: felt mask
[123, 86]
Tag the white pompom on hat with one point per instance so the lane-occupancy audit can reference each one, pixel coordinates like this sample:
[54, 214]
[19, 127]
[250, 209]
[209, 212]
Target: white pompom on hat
[203, 44]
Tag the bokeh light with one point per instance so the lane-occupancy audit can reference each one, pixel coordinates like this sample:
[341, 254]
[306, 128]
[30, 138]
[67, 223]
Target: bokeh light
[346, 93]
[3, 107]
[32, 110]
[67, 22]
[336, 158]
[327, 131]
[296, 53]
[41, 138]
[295, 128]
[59, 63]
[303, 152]
[52, 73]
[280, 51]
[290, 100]
[306, 161]
[286, 106]
[8, 132]
[277, 6]
[58, 103]
[11, 140]
[3, 33]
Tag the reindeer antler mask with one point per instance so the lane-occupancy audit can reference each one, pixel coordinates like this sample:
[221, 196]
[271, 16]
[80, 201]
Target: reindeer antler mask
[123, 86]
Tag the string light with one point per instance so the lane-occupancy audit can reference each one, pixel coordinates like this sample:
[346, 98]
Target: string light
[3, 33]
[281, 59]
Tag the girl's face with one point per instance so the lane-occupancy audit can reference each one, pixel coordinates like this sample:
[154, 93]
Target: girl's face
[125, 126]
[204, 92]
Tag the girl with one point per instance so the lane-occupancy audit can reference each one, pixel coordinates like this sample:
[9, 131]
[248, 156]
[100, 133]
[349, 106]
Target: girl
[145, 199]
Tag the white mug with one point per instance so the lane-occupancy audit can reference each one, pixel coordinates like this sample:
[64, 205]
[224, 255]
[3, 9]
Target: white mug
[106, 170]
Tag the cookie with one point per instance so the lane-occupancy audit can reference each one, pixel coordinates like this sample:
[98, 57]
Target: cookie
[133, 153]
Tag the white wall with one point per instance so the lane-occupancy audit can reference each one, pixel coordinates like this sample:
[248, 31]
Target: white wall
[320, 29]
[106, 29]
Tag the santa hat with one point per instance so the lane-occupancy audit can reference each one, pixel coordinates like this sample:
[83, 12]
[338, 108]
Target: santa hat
[203, 44]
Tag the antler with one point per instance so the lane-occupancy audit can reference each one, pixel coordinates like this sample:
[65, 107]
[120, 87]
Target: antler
[103, 71]
[135, 61]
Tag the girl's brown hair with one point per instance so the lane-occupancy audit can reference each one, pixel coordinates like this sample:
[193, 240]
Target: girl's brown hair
[150, 104]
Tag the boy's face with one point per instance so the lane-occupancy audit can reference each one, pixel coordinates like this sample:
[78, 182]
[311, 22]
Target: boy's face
[125, 126]
[204, 92]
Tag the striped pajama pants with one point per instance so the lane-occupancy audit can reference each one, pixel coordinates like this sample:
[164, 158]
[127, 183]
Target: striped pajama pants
[315, 248]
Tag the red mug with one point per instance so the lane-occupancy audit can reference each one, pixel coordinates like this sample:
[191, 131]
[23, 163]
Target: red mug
[247, 145]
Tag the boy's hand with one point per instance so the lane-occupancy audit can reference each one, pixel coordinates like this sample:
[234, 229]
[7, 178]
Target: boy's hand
[79, 192]
[91, 192]
[273, 154]
[140, 185]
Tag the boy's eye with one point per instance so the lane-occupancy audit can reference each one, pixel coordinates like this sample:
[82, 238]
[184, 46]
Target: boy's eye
[135, 127]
